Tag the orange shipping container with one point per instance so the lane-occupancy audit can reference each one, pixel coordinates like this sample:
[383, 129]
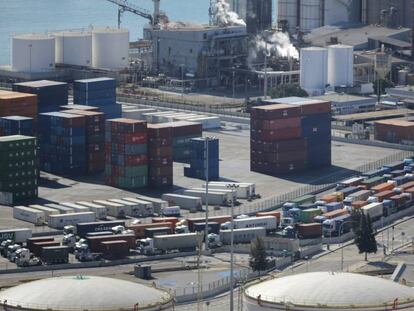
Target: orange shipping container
[172, 220]
[359, 204]
[329, 198]
[383, 187]
[384, 195]
[407, 185]
[335, 213]
[15, 103]
[139, 229]
[273, 213]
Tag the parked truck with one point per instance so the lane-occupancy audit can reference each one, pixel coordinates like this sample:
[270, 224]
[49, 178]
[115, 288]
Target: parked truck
[268, 222]
[139, 208]
[219, 219]
[373, 210]
[60, 208]
[18, 236]
[83, 228]
[157, 204]
[337, 226]
[28, 214]
[139, 229]
[361, 195]
[62, 220]
[309, 231]
[354, 181]
[191, 203]
[55, 255]
[23, 258]
[46, 210]
[99, 210]
[243, 235]
[172, 242]
[171, 211]
[76, 207]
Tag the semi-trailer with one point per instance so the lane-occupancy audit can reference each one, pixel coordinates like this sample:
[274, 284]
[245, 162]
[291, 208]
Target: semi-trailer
[172, 242]
[84, 228]
[152, 232]
[60, 208]
[139, 229]
[354, 181]
[373, 210]
[267, 222]
[213, 227]
[219, 219]
[361, 195]
[157, 204]
[94, 243]
[62, 220]
[53, 255]
[214, 197]
[113, 209]
[142, 208]
[243, 190]
[28, 214]
[191, 203]
[99, 210]
[337, 226]
[171, 211]
[31, 241]
[18, 236]
[242, 235]
[46, 210]
[76, 207]
[309, 231]
[232, 193]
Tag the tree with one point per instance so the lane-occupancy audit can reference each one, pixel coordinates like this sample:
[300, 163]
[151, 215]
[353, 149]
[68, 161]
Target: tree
[287, 90]
[365, 236]
[258, 257]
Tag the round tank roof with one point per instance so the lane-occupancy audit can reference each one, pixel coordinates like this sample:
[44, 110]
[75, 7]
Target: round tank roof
[73, 33]
[33, 36]
[110, 30]
[331, 290]
[84, 293]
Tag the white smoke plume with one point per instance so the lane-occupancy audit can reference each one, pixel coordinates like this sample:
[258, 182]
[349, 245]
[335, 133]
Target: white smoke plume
[278, 44]
[224, 16]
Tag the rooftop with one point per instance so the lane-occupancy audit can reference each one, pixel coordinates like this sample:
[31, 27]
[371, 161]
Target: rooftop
[375, 115]
[337, 97]
[396, 122]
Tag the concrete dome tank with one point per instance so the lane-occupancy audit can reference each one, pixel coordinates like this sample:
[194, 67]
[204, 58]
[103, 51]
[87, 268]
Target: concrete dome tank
[79, 293]
[74, 48]
[110, 48]
[340, 65]
[33, 53]
[327, 291]
[313, 70]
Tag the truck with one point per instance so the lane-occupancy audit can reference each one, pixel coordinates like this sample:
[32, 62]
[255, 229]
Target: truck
[141, 208]
[62, 220]
[383, 187]
[171, 211]
[28, 214]
[113, 209]
[94, 243]
[243, 235]
[371, 182]
[243, 190]
[84, 228]
[191, 203]
[23, 258]
[349, 190]
[309, 231]
[46, 210]
[76, 207]
[214, 197]
[354, 181]
[361, 195]
[295, 203]
[219, 219]
[18, 236]
[374, 210]
[99, 210]
[307, 215]
[185, 242]
[53, 255]
[60, 208]
[213, 227]
[157, 204]
[331, 227]
[268, 222]
[330, 215]
[331, 207]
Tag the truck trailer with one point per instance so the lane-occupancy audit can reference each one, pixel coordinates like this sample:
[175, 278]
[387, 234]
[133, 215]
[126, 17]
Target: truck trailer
[28, 214]
[191, 203]
[99, 210]
[62, 220]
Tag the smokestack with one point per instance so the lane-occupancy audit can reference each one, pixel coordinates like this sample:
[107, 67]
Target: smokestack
[412, 30]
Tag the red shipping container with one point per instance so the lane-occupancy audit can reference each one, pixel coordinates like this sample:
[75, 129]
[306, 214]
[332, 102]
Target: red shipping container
[359, 204]
[185, 128]
[172, 220]
[277, 124]
[31, 241]
[160, 171]
[114, 249]
[285, 134]
[135, 138]
[139, 229]
[309, 231]
[37, 247]
[123, 125]
[315, 107]
[277, 111]
[384, 195]
[95, 242]
[383, 187]
[161, 181]
[160, 161]
[136, 160]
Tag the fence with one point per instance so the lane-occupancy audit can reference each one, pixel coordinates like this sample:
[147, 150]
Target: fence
[373, 143]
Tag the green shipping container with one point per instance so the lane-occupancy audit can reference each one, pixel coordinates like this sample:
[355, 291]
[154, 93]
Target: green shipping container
[307, 215]
[371, 182]
[310, 198]
[133, 182]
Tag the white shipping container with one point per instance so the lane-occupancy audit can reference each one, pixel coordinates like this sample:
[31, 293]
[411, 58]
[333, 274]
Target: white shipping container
[6, 198]
[186, 202]
[374, 210]
[61, 209]
[46, 210]
[176, 241]
[28, 214]
[71, 219]
[171, 211]
[142, 208]
[207, 122]
[113, 209]
[244, 190]
[232, 193]
[157, 204]
[244, 235]
[99, 210]
[214, 198]
[76, 207]
[267, 222]
[16, 235]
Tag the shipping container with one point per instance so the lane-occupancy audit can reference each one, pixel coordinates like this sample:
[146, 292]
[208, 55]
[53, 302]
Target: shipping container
[52, 255]
[47, 211]
[113, 209]
[84, 228]
[60, 208]
[172, 220]
[213, 197]
[272, 213]
[28, 214]
[242, 236]
[157, 204]
[213, 227]
[361, 195]
[99, 210]
[383, 187]
[267, 222]
[152, 232]
[171, 211]
[244, 190]
[114, 249]
[32, 240]
[139, 229]
[309, 231]
[180, 242]
[191, 203]
[36, 247]
[17, 125]
[358, 204]
[354, 181]
[19, 235]
[17, 103]
[94, 243]
[139, 208]
[71, 219]
[76, 207]
[218, 219]
[374, 210]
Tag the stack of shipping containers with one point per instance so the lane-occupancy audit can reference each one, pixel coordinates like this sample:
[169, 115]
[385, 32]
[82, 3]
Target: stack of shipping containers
[62, 143]
[199, 162]
[160, 152]
[50, 94]
[18, 104]
[17, 125]
[99, 92]
[290, 136]
[95, 139]
[18, 170]
[126, 161]
[182, 133]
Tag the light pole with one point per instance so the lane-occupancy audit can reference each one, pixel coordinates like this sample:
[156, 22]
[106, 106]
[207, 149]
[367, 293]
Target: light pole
[182, 80]
[265, 66]
[30, 58]
[234, 82]
[233, 186]
[207, 139]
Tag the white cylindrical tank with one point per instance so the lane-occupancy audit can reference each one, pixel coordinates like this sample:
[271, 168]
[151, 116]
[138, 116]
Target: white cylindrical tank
[310, 15]
[340, 65]
[402, 76]
[33, 53]
[74, 48]
[288, 11]
[110, 48]
[313, 70]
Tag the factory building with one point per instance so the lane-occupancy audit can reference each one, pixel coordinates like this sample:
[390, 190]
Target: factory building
[256, 13]
[197, 51]
[78, 293]
[389, 13]
[327, 291]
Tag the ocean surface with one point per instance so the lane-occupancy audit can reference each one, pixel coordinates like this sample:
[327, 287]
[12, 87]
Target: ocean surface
[40, 16]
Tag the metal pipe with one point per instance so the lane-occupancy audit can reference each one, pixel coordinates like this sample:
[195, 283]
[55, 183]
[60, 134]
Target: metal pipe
[232, 257]
[207, 172]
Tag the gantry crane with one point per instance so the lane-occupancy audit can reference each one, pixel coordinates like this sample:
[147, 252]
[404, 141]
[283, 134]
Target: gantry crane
[125, 6]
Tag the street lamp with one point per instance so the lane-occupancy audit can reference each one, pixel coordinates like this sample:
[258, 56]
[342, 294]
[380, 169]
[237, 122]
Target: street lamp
[207, 139]
[265, 33]
[234, 83]
[342, 244]
[232, 186]
[30, 58]
[182, 79]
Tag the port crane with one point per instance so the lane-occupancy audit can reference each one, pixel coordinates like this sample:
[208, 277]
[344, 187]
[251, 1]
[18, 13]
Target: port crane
[125, 6]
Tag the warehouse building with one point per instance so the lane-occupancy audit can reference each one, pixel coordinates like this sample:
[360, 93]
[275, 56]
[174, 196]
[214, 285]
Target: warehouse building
[78, 293]
[347, 104]
[327, 291]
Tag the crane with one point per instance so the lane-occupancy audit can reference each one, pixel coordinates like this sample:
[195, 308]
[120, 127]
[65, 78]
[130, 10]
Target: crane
[125, 6]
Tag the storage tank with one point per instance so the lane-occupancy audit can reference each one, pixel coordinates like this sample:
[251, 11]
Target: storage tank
[33, 53]
[340, 65]
[79, 293]
[73, 48]
[310, 15]
[110, 48]
[288, 11]
[327, 291]
[314, 70]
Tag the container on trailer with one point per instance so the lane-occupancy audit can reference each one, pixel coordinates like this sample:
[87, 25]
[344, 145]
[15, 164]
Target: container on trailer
[349, 190]
[374, 210]
[94, 243]
[113, 209]
[191, 203]
[76, 207]
[329, 198]
[384, 195]
[306, 216]
[242, 236]
[331, 207]
[31, 241]
[272, 213]
[114, 249]
[214, 197]
[52, 255]
[19, 235]
[171, 211]
[231, 192]
[213, 227]
[397, 165]
[406, 186]
[28, 214]
[310, 198]
[172, 220]
[358, 204]
[99, 210]
[139, 229]
[181, 242]
[309, 231]
[402, 179]
[62, 220]
[267, 222]
[375, 173]
[361, 195]
[219, 219]
[83, 228]
[151, 232]
[157, 204]
[400, 201]
[354, 181]
[142, 208]
[36, 248]
[383, 187]
[102, 233]
[371, 182]
[243, 190]
[335, 213]
[60, 208]
[46, 210]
